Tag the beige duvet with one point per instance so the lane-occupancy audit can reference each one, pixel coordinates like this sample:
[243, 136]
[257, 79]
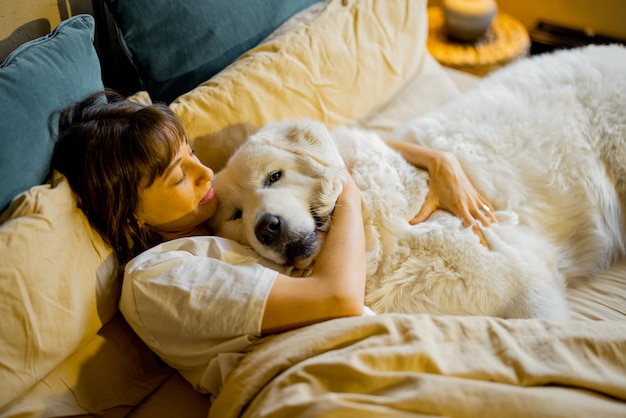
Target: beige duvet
[420, 365]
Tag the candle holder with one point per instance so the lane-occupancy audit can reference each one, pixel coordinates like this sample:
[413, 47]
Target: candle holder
[468, 20]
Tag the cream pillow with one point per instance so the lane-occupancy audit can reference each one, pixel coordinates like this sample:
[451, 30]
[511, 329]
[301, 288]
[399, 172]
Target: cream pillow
[336, 62]
[59, 284]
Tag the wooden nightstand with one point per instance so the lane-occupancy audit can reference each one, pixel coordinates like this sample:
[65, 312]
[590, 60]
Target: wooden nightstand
[505, 41]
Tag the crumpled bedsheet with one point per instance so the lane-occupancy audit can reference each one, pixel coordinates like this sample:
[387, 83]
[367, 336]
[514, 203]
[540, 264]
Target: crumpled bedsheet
[399, 365]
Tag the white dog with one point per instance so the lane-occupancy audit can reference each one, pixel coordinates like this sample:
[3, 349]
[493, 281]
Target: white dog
[544, 140]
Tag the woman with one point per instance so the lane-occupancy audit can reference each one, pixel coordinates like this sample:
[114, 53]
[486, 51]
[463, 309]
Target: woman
[201, 301]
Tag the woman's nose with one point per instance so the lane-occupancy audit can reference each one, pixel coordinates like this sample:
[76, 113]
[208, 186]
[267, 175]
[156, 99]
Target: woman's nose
[204, 174]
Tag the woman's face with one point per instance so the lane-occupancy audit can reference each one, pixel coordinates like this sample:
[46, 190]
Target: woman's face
[181, 200]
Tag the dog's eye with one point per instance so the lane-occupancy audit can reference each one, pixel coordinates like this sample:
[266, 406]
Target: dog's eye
[236, 215]
[273, 177]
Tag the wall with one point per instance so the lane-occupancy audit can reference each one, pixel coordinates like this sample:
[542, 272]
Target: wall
[605, 17]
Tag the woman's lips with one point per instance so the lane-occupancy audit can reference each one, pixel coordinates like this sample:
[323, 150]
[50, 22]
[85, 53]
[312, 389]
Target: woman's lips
[207, 197]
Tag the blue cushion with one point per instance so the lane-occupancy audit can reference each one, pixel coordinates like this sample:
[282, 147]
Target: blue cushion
[176, 45]
[37, 79]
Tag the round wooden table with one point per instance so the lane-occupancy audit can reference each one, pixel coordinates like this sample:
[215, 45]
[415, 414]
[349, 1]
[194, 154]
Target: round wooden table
[505, 41]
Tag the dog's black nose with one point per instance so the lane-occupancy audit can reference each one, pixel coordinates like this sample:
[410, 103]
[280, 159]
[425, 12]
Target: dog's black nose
[269, 229]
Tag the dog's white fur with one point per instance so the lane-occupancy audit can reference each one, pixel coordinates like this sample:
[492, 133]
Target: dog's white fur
[544, 140]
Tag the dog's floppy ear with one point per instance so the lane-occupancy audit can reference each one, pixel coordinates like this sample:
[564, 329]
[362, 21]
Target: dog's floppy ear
[306, 132]
[313, 139]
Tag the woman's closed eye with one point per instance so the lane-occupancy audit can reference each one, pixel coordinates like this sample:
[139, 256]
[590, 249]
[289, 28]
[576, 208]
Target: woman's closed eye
[192, 154]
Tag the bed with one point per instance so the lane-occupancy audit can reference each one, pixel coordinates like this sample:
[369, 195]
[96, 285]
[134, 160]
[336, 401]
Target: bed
[65, 349]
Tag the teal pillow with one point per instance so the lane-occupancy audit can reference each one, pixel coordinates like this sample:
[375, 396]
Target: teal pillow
[40, 77]
[176, 45]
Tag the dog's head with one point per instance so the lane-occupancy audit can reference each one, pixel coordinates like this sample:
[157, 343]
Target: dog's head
[278, 191]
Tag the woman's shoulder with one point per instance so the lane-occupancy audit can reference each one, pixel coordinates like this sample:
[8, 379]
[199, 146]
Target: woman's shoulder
[179, 284]
[192, 299]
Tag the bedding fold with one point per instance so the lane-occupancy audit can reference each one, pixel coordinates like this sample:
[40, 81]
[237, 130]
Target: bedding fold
[420, 365]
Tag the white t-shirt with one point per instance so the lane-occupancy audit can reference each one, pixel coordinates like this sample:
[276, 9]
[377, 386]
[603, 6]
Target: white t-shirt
[198, 303]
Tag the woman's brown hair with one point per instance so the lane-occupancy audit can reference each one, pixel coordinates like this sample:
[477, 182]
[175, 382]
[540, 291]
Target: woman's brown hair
[109, 148]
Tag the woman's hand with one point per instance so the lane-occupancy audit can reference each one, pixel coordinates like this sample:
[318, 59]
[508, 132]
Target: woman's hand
[448, 188]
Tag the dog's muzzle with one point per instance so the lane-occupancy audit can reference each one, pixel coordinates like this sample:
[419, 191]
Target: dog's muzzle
[272, 232]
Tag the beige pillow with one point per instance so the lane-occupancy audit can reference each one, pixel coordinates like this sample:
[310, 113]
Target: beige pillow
[336, 62]
[59, 285]
[108, 375]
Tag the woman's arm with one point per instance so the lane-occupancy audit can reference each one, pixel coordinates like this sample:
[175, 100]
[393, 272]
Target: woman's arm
[336, 287]
[448, 187]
